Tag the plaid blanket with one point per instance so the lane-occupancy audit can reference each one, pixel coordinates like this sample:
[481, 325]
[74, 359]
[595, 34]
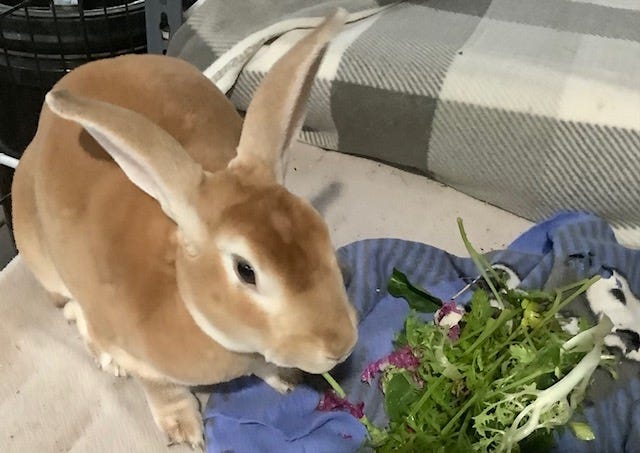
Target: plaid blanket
[530, 106]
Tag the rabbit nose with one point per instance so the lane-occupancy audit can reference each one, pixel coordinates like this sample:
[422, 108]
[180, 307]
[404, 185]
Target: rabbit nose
[341, 344]
[341, 358]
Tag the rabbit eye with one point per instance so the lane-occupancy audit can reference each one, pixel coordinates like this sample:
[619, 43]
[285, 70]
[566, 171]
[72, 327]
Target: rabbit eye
[245, 272]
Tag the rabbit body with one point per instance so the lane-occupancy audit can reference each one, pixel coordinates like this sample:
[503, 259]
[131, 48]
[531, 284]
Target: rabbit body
[146, 205]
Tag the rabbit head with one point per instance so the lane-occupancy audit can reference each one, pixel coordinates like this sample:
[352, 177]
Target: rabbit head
[255, 266]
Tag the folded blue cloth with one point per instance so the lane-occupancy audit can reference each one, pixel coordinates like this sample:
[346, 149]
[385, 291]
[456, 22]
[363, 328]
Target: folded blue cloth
[246, 415]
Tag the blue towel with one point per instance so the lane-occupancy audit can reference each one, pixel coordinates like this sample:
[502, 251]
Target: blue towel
[246, 415]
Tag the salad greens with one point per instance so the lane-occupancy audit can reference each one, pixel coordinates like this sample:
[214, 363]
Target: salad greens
[418, 299]
[499, 376]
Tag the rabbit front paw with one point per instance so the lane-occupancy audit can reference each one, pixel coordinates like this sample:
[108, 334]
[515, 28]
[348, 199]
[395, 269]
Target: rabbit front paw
[108, 365]
[176, 411]
[183, 427]
[282, 380]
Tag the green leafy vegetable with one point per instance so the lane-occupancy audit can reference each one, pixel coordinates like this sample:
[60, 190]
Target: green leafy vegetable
[400, 391]
[499, 377]
[418, 299]
[509, 379]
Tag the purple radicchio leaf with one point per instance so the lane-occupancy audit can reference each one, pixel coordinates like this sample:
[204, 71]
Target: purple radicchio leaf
[402, 358]
[454, 333]
[330, 401]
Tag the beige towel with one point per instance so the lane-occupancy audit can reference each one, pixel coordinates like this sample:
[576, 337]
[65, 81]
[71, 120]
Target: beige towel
[53, 398]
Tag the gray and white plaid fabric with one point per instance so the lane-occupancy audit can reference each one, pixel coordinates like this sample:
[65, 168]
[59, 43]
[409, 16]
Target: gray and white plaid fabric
[530, 106]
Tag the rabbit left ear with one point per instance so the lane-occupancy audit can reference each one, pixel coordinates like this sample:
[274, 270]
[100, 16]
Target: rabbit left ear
[151, 158]
[277, 110]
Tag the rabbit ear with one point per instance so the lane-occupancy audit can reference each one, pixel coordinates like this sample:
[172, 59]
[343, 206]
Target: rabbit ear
[151, 158]
[276, 112]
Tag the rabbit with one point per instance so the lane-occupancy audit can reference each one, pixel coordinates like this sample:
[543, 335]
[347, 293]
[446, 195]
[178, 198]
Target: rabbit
[157, 214]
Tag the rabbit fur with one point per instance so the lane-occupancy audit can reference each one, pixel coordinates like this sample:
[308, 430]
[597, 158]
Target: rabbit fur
[157, 215]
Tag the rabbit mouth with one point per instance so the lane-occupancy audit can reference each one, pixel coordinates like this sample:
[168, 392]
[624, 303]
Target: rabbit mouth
[306, 362]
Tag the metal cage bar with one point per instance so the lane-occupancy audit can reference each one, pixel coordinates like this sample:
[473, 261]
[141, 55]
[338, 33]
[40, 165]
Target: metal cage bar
[84, 28]
[33, 44]
[163, 18]
[106, 21]
[58, 35]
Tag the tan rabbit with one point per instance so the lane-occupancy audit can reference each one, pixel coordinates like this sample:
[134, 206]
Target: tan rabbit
[145, 203]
